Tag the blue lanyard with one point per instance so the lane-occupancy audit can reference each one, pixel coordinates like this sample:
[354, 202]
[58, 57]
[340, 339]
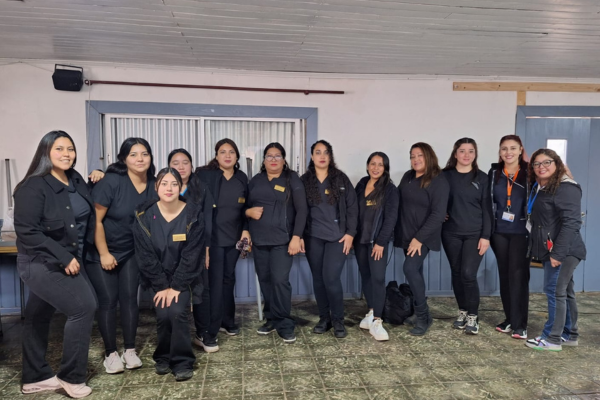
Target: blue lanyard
[185, 190]
[532, 200]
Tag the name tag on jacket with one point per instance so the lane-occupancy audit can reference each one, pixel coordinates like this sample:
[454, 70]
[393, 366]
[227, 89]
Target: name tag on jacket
[181, 237]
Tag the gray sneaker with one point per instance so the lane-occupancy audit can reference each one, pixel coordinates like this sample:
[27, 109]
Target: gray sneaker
[472, 327]
[461, 321]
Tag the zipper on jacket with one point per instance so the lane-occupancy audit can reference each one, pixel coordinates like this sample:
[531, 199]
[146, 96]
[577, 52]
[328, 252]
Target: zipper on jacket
[137, 217]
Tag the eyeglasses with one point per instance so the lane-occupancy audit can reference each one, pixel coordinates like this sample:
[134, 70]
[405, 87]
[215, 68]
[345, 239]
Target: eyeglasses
[545, 163]
[273, 158]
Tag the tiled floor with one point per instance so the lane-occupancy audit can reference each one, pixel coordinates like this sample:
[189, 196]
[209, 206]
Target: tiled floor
[445, 364]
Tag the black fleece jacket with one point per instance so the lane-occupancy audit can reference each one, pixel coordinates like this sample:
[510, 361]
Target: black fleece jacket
[187, 273]
[386, 215]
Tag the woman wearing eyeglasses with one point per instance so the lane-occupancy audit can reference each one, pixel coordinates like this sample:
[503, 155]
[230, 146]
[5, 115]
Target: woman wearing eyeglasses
[554, 220]
[277, 213]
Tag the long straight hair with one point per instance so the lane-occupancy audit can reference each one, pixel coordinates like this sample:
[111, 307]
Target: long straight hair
[214, 163]
[120, 167]
[452, 161]
[41, 164]
[432, 168]
[522, 163]
[379, 191]
[310, 180]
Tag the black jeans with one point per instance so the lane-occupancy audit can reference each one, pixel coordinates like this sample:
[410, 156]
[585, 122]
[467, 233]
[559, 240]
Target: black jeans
[218, 302]
[118, 286]
[174, 347]
[513, 271]
[373, 276]
[51, 290]
[413, 271]
[464, 260]
[273, 265]
[326, 261]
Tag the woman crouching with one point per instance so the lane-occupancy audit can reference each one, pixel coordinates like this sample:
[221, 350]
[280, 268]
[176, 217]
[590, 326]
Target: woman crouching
[169, 248]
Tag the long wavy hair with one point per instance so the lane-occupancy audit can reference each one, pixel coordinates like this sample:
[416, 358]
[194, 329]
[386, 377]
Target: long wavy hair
[452, 161]
[311, 183]
[556, 178]
[214, 163]
[500, 166]
[432, 167]
[379, 191]
[194, 186]
[41, 164]
[286, 168]
[120, 167]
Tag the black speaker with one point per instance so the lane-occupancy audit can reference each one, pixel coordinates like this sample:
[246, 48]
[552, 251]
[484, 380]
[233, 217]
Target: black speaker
[67, 78]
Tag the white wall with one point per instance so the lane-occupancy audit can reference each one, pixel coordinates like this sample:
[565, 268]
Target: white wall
[376, 113]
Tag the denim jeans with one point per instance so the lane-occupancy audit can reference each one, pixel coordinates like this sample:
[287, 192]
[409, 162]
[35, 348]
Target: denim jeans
[562, 307]
[72, 295]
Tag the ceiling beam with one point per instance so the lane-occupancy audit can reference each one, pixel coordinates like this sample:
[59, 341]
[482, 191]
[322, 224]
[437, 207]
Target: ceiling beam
[525, 87]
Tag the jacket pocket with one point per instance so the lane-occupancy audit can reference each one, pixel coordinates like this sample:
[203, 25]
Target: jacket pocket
[54, 228]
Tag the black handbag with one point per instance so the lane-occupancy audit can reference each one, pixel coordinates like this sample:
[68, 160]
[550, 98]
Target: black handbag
[398, 303]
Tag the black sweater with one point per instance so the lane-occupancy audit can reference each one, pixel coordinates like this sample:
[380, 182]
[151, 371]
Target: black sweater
[469, 204]
[421, 211]
[381, 228]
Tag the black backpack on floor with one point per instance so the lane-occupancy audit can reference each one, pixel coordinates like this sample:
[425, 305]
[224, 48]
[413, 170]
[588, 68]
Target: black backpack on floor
[398, 303]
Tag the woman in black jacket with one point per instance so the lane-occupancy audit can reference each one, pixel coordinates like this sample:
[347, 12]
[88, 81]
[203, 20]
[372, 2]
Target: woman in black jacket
[169, 237]
[53, 213]
[277, 212]
[466, 234]
[508, 190]
[554, 221]
[377, 212]
[422, 208]
[330, 230]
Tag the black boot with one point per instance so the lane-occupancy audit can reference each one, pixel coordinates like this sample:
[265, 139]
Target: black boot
[322, 326]
[339, 330]
[424, 320]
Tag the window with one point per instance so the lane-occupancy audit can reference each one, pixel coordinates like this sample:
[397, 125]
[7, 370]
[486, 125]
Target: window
[559, 146]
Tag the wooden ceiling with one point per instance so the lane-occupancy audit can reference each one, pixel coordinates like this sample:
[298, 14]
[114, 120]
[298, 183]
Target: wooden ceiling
[535, 38]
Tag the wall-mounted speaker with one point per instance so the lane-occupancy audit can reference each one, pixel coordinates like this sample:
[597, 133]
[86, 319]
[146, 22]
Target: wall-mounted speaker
[67, 78]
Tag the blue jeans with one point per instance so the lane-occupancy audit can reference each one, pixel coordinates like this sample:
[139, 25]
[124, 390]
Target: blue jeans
[562, 307]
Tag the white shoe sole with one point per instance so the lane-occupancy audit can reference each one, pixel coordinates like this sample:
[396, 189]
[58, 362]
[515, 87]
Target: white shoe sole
[210, 349]
[29, 388]
[132, 366]
[225, 331]
[67, 387]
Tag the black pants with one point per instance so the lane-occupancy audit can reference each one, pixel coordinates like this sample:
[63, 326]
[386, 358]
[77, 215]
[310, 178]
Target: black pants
[273, 265]
[373, 276]
[72, 295]
[513, 271]
[326, 261]
[118, 286]
[218, 302]
[464, 260]
[174, 347]
[413, 271]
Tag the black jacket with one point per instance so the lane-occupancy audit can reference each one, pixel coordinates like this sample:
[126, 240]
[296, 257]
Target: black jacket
[187, 274]
[557, 217]
[44, 221]
[206, 203]
[385, 218]
[521, 181]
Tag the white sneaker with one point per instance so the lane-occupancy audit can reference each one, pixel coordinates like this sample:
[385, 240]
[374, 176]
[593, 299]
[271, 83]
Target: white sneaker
[113, 363]
[131, 359]
[46, 384]
[75, 390]
[367, 321]
[378, 331]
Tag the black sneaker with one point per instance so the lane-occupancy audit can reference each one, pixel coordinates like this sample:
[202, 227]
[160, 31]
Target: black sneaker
[339, 330]
[230, 330]
[265, 329]
[461, 321]
[472, 327]
[519, 334]
[184, 375]
[288, 337]
[504, 327]
[322, 326]
[208, 343]
[162, 369]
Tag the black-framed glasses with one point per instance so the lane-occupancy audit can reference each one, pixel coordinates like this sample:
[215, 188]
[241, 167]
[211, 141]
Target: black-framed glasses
[545, 163]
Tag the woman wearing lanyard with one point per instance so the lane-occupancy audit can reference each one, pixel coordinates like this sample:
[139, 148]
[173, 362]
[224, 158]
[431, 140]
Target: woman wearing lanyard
[422, 208]
[111, 263]
[508, 188]
[277, 215]
[554, 220]
[229, 187]
[377, 212]
[53, 213]
[331, 227]
[466, 233]
[169, 247]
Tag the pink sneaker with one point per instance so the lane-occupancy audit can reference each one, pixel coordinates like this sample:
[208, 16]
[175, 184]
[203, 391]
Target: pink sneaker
[48, 384]
[75, 390]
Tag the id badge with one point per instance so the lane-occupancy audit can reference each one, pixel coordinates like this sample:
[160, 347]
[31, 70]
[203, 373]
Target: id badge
[508, 216]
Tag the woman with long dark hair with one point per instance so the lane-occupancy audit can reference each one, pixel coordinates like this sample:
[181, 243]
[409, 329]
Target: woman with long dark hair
[111, 263]
[277, 212]
[331, 227]
[554, 221]
[466, 234]
[377, 212]
[508, 190]
[422, 208]
[53, 214]
[169, 243]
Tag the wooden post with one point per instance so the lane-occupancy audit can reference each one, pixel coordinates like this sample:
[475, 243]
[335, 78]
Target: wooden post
[521, 98]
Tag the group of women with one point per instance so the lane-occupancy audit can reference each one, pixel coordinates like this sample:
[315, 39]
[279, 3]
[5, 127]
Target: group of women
[181, 232]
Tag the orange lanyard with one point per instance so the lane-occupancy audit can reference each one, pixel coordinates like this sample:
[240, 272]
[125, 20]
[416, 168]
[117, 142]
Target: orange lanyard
[509, 186]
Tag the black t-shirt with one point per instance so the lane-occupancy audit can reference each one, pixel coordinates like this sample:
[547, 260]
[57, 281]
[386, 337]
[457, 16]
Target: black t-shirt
[119, 195]
[227, 215]
[366, 217]
[167, 237]
[81, 212]
[324, 217]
